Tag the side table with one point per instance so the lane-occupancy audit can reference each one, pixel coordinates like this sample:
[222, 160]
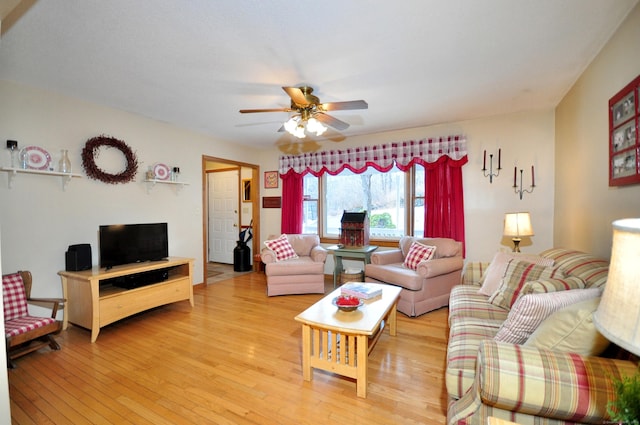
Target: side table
[360, 253]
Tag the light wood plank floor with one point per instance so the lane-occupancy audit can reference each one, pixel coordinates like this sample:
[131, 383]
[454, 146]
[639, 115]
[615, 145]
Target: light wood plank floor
[233, 359]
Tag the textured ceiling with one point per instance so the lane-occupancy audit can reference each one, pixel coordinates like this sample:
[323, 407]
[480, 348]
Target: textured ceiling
[196, 63]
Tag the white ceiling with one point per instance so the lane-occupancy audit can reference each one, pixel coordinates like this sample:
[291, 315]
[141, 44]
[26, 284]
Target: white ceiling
[195, 63]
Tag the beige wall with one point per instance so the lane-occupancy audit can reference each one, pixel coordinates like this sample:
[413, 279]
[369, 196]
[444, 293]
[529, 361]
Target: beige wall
[585, 204]
[39, 220]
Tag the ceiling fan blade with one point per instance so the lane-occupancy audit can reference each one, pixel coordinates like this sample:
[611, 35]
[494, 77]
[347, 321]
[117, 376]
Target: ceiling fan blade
[341, 106]
[250, 111]
[330, 121]
[296, 95]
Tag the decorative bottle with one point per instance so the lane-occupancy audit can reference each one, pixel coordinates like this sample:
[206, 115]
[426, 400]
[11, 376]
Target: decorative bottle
[64, 166]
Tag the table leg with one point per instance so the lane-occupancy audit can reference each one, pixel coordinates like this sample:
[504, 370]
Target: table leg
[337, 269]
[306, 353]
[393, 316]
[65, 306]
[362, 353]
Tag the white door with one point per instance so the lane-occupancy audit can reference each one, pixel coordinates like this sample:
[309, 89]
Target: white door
[224, 197]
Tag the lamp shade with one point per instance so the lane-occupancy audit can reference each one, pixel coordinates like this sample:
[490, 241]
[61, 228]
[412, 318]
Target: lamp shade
[517, 224]
[618, 315]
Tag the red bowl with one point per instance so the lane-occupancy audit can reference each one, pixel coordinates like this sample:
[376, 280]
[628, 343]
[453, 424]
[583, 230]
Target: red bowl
[347, 303]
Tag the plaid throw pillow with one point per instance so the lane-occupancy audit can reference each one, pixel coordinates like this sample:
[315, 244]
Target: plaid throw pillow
[282, 248]
[417, 253]
[518, 273]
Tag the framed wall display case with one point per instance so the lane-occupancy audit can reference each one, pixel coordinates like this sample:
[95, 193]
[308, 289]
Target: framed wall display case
[624, 144]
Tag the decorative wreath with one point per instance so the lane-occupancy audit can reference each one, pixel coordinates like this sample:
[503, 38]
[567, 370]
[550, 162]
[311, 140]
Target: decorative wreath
[91, 151]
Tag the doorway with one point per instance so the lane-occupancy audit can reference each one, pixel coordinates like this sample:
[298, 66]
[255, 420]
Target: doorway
[228, 208]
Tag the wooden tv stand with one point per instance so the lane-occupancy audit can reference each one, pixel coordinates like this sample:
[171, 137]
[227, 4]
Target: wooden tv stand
[92, 305]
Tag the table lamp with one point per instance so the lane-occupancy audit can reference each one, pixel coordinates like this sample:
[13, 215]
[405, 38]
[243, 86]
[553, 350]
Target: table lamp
[517, 225]
[618, 315]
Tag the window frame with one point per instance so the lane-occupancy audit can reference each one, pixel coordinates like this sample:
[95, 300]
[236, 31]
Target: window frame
[410, 199]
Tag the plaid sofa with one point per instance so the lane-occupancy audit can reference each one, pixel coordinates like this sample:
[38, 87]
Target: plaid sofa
[522, 384]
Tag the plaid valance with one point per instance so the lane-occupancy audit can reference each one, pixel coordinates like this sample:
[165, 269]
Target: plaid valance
[381, 157]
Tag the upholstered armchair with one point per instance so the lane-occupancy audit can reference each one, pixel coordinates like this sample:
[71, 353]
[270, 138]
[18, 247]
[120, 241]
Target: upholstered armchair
[425, 283]
[294, 264]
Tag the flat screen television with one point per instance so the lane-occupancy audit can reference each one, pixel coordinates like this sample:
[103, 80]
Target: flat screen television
[132, 243]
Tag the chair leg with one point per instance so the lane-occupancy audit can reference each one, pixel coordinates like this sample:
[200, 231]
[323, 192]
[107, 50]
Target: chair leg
[52, 342]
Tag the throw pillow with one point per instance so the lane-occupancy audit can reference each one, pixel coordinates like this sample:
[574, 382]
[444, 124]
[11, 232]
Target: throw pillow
[490, 280]
[517, 274]
[281, 247]
[531, 310]
[418, 253]
[571, 330]
[551, 285]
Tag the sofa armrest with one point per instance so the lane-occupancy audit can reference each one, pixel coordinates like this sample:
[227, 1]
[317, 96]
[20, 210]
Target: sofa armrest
[390, 256]
[439, 266]
[544, 383]
[473, 271]
[267, 256]
[318, 254]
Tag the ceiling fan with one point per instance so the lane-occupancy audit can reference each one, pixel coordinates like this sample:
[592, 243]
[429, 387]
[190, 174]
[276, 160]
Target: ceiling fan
[310, 113]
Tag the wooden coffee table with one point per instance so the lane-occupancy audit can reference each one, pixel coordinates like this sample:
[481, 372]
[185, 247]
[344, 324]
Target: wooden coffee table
[340, 342]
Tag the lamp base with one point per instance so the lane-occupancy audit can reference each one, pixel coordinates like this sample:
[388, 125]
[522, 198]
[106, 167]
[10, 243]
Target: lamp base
[516, 244]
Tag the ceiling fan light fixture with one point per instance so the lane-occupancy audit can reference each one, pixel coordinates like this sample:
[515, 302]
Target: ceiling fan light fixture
[299, 132]
[297, 125]
[291, 124]
[315, 126]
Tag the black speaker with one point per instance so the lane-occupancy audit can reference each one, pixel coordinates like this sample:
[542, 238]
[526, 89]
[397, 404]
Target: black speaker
[78, 257]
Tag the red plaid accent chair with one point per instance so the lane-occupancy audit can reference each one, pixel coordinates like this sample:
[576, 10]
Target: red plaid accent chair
[25, 333]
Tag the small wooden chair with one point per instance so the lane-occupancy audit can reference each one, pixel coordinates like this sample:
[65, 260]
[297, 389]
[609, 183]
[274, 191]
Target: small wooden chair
[25, 333]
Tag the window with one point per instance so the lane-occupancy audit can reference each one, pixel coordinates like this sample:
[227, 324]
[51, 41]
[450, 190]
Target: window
[310, 204]
[383, 194]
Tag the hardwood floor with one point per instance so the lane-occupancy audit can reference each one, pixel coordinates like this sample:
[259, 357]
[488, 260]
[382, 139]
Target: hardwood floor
[235, 358]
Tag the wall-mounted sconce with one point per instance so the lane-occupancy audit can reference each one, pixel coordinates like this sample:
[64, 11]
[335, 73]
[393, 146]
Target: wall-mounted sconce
[519, 190]
[491, 174]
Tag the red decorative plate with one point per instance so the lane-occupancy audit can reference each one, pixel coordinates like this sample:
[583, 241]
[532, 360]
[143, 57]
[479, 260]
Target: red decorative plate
[161, 172]
[39, 159]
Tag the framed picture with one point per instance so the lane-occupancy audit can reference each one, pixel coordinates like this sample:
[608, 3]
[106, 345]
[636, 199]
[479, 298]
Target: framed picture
[246, 190]
[271, 179]
[272, 202]
[624, 143]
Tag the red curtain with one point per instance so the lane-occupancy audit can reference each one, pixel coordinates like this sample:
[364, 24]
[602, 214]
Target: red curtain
[444, 213]
[292, 200]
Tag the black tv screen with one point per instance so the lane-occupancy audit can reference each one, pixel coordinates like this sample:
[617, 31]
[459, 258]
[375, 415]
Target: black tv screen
[132, 243]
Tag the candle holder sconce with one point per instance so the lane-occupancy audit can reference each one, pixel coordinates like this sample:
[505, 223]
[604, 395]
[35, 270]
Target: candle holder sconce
[491, 174]
[519, 190]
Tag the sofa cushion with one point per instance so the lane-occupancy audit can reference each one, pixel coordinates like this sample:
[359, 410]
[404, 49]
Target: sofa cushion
[303, 244]
[465, 301]
[571, 329]
[532, 309]
[592, 270]
[281, 247]
[445, 247]
[395, 274]
[418, 253]
[517, 274]
[491, 279]
[465, 336]
[542, 286]
[295, 266]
